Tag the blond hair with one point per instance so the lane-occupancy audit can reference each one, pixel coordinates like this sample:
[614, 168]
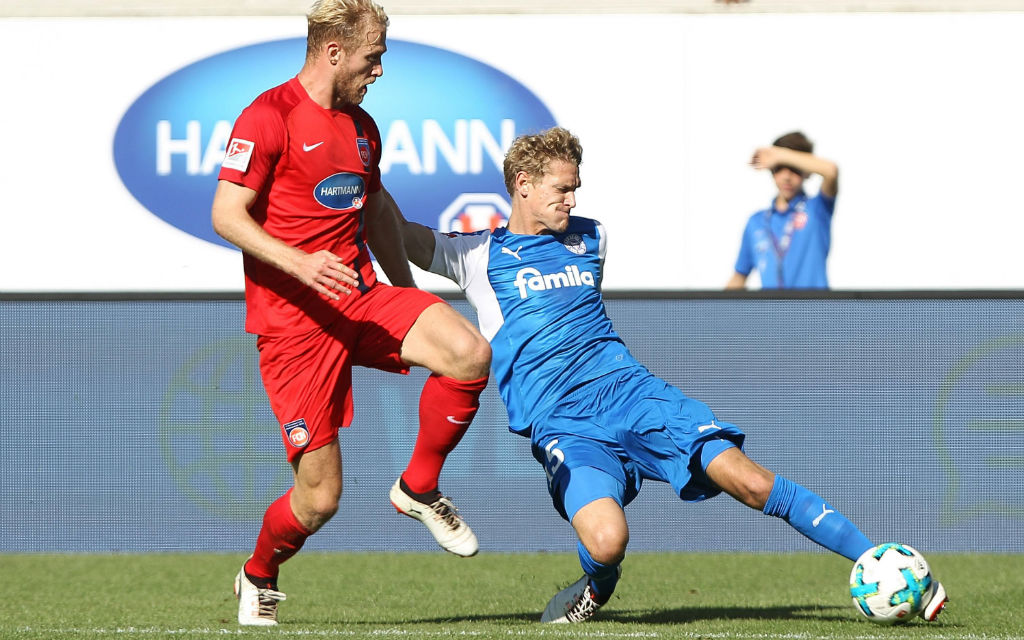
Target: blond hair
[341, 20]
[533, 153]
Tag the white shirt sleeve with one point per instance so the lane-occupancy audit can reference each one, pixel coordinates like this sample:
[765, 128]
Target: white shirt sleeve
[459, 257]
[464, 259]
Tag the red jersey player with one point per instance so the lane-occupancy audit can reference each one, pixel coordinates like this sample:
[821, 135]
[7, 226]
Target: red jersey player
[300, 194]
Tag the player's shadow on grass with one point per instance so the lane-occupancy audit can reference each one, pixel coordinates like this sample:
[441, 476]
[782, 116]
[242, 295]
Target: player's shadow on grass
[676, 616]
[694, 614]
[492, 617]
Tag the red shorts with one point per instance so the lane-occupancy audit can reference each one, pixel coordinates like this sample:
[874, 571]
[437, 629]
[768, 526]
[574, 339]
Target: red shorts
[308, 377]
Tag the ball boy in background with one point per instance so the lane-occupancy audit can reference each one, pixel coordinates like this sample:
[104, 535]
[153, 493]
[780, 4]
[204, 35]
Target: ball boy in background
[788, 243]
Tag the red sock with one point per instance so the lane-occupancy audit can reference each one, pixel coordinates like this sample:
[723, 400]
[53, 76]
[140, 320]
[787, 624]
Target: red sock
[447, 406]
[280, 538]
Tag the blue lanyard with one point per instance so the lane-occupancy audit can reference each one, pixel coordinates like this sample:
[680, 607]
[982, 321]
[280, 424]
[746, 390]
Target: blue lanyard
[781, 245]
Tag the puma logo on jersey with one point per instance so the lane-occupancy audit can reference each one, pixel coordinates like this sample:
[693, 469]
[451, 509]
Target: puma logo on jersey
[514, 254]
[530, 279]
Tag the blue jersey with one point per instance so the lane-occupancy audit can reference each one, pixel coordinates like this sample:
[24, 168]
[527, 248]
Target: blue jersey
[538, 302]
[789, 248]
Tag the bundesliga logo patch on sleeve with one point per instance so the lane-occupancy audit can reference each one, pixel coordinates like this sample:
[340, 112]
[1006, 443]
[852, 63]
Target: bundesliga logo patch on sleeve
[238, 154]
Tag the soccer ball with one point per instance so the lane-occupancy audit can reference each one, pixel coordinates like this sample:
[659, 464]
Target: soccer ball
[891, 583]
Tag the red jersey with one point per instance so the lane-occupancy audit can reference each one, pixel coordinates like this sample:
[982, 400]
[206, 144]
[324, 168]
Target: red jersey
[313, 169]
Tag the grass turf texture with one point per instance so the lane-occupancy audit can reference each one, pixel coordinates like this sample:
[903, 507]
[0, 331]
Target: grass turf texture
[435, 595]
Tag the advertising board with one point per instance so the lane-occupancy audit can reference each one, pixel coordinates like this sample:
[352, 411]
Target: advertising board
[109, 169]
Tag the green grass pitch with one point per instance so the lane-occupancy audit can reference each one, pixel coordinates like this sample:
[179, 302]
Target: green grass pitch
[800, 596]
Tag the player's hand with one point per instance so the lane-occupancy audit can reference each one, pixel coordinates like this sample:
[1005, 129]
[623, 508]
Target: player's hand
[326, 273]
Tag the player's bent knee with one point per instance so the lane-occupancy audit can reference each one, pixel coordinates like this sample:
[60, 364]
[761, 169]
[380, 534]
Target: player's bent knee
[313, 518]
[471, 355]
[445, 342]
[756, 489]
[607, 544]
[608, 553]
[315, 504]
[473, 348]
[319, 511]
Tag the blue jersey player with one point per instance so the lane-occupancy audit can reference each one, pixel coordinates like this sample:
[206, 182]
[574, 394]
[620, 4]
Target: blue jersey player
[599, 422]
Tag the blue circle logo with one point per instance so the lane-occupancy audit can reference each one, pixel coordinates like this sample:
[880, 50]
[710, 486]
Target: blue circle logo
[445, 121]
[342, 191]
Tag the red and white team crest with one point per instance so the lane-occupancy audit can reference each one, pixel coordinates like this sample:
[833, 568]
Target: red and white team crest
[363, 145]
[800, 220]
[297, 433]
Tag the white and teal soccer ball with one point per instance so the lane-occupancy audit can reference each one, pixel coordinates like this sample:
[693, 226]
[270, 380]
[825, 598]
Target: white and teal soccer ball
[891, 583]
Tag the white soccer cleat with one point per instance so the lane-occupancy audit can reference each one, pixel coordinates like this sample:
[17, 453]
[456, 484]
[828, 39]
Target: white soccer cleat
[934, 606]
[256, 606]
[574, 603]
[442, 520]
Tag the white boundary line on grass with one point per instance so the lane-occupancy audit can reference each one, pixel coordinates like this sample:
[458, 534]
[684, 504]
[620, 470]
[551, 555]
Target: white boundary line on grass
[563, 632]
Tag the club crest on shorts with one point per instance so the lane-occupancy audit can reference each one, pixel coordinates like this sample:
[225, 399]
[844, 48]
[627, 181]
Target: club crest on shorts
[363, 145]
[297, 433]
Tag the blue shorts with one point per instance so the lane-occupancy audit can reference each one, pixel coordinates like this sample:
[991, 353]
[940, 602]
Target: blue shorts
[629, 426]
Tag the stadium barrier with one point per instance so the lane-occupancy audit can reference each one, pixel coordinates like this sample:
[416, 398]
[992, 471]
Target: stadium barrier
[138, 423]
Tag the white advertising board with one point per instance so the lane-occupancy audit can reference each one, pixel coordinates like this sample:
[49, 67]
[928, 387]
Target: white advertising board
[115, 126]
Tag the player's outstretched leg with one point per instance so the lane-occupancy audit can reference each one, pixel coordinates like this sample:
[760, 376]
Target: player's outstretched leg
[753, 485]
[809, 514]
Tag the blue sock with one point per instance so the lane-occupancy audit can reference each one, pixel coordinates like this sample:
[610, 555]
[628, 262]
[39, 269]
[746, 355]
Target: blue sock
[806, 512]
[603, 577]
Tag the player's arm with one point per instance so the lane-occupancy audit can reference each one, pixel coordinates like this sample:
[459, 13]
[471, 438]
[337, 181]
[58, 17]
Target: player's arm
[322, 271]
[771, 157]
[737, 281]
[418, 239]
[384, 235]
